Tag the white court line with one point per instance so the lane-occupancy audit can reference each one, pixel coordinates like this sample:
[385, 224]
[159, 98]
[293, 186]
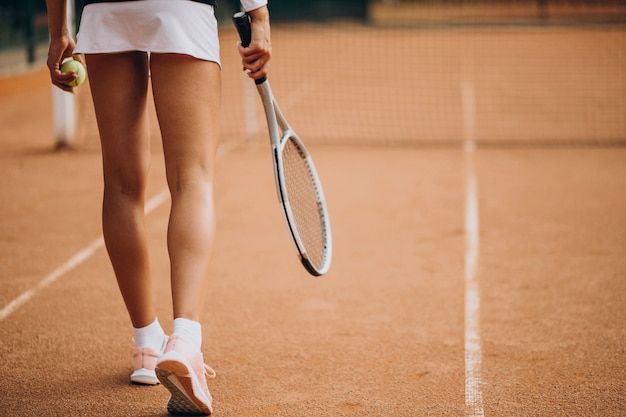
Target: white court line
[88, 251]
[72, 263]
[473, 352]
[473, 355]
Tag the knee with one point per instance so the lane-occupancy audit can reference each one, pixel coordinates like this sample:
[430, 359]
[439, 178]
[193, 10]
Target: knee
[130, 186]
[191, 177]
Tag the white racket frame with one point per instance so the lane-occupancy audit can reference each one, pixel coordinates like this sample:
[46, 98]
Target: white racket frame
[277, 123]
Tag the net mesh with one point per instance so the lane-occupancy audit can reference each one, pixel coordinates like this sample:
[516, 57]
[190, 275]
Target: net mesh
[304, 201]
[435, 73]
[445, 72]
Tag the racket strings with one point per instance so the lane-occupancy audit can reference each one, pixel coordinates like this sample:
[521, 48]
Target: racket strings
[304, 199]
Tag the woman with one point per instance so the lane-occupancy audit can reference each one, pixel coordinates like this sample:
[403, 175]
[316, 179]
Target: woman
[174, 45]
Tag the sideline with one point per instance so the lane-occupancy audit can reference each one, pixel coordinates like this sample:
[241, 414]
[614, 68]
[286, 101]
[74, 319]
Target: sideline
[473, 352]
[88, 251]
[73, 262]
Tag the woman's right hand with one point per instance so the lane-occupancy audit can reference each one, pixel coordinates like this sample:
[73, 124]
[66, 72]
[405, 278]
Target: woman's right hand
[61, 48]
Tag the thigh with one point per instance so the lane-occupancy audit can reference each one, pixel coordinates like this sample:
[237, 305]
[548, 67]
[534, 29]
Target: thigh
[187, 94]
[119, 85]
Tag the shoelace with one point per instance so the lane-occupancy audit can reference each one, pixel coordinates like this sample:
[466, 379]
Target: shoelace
[208, 371]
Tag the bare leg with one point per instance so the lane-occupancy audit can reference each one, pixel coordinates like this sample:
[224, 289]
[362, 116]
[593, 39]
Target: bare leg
[119, 87]
[187, 94]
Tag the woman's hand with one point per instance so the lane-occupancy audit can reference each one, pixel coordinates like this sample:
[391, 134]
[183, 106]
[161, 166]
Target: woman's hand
[61, 48]
[255, 58]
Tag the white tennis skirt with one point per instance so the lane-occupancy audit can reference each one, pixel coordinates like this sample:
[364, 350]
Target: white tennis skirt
[166, 26]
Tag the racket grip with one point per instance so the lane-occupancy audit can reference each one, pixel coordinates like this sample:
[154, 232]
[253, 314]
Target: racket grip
[242, 23]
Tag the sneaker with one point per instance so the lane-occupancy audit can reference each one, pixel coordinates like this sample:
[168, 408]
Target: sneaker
[144, 363]
[183, 372]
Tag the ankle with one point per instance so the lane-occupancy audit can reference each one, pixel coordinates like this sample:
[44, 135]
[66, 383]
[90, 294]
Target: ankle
[150, 336]
[190, 330]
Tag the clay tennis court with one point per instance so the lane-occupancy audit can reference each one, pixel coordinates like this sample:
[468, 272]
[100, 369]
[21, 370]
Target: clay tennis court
[464, 282]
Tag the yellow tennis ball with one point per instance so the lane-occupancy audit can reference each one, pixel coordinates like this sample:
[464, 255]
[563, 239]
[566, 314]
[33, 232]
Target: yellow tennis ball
[77, 68]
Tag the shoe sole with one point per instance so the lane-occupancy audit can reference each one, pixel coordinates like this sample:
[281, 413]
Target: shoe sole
[144, 377]
[179, 380]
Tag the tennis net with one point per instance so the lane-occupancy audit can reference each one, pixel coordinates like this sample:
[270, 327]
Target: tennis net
[444, 73]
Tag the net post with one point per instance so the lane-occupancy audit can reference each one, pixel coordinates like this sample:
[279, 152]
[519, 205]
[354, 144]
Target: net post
[64, 103]
[64, 118]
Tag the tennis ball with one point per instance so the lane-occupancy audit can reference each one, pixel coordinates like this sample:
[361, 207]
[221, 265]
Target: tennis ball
[77, 68]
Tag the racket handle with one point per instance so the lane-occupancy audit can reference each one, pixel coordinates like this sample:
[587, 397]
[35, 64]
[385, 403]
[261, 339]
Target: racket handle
[242, 23]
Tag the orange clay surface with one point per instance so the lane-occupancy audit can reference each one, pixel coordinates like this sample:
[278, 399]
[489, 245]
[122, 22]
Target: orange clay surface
[381, 335]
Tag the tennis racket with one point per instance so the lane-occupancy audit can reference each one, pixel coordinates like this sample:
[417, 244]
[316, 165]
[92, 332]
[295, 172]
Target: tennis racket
[299, 189]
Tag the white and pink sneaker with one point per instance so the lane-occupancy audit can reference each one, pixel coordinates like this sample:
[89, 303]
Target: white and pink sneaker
[181, 369]
[144, 364]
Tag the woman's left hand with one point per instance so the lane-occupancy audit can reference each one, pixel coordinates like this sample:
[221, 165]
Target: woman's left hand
[255, 58]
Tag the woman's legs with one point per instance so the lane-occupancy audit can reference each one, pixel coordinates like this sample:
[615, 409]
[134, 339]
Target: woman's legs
[119, 85]
[187, 94]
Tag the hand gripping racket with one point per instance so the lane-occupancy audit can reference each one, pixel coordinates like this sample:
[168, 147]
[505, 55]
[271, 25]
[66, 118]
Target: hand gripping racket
[299, 190]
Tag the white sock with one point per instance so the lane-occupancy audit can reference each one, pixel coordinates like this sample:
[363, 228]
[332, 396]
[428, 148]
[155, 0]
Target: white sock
[192, 330]
[151, 336]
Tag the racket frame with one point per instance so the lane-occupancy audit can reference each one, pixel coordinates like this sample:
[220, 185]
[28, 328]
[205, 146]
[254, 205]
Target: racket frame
[277, 123]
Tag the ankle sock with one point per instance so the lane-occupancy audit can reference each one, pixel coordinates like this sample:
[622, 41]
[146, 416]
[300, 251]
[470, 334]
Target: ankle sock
[192, 330]
[151, 336]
